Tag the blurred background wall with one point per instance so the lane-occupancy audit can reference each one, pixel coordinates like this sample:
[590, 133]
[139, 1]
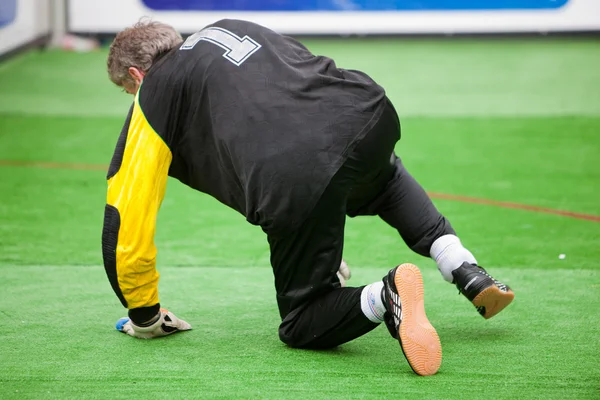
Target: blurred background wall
[25, 21]
[348, 16]
[22, 22]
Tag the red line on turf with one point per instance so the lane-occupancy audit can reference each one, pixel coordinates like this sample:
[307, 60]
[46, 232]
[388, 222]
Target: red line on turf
[433, 195]
[54, 165]
[517, 206]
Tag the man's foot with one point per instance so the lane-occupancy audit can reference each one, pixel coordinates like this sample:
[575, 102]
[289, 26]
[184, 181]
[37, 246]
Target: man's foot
[489, 295]
[406, 320]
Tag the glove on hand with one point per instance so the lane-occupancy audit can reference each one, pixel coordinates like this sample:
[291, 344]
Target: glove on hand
[165, 324]
[343, 273]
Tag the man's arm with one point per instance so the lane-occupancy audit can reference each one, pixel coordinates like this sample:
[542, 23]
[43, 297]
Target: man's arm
[137, 180]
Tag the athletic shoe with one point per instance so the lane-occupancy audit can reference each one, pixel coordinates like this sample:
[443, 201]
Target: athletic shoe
[489, 295]
[406, 320]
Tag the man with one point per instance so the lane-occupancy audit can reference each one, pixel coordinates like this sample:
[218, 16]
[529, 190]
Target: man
[293, 143]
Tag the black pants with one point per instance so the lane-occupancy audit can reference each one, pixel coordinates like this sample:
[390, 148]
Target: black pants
[316, 311]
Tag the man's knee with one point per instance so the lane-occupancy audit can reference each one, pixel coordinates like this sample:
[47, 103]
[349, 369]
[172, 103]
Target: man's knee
[290, 334]
[288, 338]
[296, 331]
[301, 338]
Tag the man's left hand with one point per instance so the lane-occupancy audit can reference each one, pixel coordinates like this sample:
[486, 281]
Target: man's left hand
[166, 324]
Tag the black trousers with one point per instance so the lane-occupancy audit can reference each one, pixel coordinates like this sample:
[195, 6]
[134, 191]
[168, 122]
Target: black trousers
[316, 311]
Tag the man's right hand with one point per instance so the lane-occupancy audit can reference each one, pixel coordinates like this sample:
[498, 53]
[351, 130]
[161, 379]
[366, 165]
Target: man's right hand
[343, 273]
[165, 323]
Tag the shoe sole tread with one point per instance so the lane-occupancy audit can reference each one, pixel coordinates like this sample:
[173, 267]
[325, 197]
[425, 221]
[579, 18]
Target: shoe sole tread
[418, 338]
[493, 300]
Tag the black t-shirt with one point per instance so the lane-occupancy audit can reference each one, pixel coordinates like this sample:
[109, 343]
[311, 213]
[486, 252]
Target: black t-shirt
[257, 121]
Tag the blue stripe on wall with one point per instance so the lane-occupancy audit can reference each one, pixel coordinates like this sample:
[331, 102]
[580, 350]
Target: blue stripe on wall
[351, 5]
[8, 11]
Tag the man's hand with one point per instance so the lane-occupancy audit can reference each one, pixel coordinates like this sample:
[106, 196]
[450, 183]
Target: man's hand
[166, 323]
[343, 273]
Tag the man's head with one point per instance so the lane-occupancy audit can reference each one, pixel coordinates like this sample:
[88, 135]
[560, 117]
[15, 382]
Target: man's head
[134, 50]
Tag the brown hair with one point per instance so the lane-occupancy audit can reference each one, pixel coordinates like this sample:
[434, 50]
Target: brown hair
[138, 46]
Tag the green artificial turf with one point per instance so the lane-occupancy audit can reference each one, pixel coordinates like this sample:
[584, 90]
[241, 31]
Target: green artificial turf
[506, 120]
[62, 341]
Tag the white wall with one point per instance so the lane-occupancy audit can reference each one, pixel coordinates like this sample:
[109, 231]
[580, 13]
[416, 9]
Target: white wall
[32, 21]
[577, 15]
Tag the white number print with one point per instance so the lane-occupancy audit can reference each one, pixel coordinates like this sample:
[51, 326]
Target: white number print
[237, 50]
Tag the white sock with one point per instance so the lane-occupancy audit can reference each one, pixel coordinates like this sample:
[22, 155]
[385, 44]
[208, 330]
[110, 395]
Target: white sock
[449, 254]
[371, 302]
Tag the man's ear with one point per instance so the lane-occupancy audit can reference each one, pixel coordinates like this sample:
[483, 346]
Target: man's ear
[136, 74]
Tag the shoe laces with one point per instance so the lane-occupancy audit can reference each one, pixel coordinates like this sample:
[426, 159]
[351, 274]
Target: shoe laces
[482, 271]
[499, 284]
